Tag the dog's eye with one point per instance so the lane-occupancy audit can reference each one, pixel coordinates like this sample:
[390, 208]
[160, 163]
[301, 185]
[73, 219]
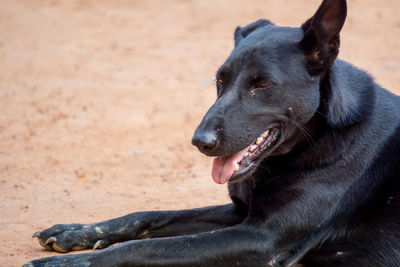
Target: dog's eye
[219, 83]
[264, 84]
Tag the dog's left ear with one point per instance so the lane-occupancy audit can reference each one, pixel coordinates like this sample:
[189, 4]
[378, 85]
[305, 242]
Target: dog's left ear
[321, 35]
[241, 33]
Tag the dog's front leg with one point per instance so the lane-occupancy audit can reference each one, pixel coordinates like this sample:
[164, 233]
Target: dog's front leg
[67, 237]
[240, 245]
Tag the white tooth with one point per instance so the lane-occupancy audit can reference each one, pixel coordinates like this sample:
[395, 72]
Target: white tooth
[259, 140]
[246, 154]
[253, 147]
[265, 134]
[236, 166]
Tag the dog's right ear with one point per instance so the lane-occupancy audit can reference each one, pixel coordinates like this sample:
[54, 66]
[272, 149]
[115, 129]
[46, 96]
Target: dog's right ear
[241, 33]
[321, 35]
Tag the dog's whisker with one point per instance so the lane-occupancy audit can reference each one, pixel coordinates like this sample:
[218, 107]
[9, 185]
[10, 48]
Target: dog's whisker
[305, 131]
[323, 115]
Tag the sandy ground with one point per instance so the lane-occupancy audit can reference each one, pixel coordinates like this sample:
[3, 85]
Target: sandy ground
[99, 101]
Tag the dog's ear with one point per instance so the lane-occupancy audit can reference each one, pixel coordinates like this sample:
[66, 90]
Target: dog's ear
[321, 35]
[241, 33]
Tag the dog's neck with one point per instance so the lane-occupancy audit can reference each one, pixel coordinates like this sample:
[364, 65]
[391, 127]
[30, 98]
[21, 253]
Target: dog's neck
[343, 89]
[340, 112]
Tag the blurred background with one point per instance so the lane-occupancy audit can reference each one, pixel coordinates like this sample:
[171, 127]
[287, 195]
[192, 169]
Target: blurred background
[99, 101]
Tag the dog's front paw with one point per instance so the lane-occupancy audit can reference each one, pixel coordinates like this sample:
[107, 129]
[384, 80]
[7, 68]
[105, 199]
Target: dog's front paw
[66, 237]
[78, 260]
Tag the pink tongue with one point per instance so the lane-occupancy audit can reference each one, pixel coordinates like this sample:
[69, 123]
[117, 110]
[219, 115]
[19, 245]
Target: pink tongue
[224, 167]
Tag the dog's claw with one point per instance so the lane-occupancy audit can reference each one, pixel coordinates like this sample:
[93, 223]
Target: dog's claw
[99, 244]
[37, 234]
[44, 245]
[58, 248]
[52, 239]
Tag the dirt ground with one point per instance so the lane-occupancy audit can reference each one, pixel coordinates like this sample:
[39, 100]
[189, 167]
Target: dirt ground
[99, 101]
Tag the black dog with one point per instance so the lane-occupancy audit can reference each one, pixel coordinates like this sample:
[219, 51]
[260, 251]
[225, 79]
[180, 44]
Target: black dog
[310, 146]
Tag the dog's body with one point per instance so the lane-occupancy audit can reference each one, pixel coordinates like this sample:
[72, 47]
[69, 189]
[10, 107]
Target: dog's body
[319, 183]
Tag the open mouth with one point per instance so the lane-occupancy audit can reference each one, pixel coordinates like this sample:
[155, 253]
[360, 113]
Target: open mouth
[238, 166]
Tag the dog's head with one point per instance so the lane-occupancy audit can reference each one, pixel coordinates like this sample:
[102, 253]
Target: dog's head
[267, 88]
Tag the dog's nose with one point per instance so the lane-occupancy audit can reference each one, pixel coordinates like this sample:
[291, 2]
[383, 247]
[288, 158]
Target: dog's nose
[206, 141]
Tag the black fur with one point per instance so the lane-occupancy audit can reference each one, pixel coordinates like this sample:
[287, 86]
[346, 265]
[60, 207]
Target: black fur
[327, 194]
